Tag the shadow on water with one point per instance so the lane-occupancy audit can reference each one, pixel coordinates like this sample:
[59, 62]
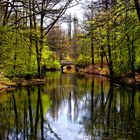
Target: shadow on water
[72, 107]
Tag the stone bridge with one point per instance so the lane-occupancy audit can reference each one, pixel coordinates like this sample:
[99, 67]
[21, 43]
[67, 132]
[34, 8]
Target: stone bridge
[68, 67]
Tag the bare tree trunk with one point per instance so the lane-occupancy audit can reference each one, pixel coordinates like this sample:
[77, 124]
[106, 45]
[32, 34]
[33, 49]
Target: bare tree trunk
[31, 27]
[92, 48]
[102, 57]
[110, 65]
[137, 5]
[69, 33]
[38, 59]
[110, 61]
[91, 36]
[75, 39]
[5, 14]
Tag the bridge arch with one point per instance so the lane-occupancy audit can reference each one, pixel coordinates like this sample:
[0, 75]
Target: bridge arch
[69, 65]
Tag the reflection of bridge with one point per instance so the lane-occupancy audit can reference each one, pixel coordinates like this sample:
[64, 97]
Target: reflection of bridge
[65, 63]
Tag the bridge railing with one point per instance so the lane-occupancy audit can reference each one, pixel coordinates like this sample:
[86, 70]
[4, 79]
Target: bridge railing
[63, 63]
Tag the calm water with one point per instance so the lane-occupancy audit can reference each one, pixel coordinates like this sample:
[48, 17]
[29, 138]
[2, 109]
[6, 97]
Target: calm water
[70, 107]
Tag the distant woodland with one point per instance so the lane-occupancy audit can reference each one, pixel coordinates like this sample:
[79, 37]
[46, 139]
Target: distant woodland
[32, 38]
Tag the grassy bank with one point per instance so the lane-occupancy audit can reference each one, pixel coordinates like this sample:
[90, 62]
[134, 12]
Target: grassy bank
[6, 83]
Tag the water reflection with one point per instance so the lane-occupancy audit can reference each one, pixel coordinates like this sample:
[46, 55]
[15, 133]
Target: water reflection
[70, 107]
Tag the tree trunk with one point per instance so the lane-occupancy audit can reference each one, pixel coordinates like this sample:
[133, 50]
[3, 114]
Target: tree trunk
[92, 51]
[110, 61]
[137, 8]
[38, 60]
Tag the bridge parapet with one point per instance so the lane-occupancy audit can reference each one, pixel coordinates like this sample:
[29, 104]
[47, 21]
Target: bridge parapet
[64, 63]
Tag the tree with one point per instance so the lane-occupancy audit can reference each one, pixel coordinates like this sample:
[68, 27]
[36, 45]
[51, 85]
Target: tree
[90, 14]
[137, 5]
[33, 19]
[48, 11]
[57, 40]
[114, 27]
[75, 38]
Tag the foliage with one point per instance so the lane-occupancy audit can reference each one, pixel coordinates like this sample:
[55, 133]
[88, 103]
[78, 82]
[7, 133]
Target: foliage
[115, 34]
[83, 60]
[110, 35]
[50, 59]
[15, 57]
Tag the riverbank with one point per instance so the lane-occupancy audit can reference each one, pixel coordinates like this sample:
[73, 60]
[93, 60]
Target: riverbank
[10, 84]
[5, 83]
[123, 79]
[17, 82]
[97, 70]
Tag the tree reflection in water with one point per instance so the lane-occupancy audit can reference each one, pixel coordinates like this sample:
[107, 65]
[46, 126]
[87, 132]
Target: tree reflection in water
[71, 107]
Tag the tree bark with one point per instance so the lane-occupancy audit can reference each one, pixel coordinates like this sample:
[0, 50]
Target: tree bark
[137, 8]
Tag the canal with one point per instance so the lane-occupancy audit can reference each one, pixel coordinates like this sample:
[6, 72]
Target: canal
[70, 107]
